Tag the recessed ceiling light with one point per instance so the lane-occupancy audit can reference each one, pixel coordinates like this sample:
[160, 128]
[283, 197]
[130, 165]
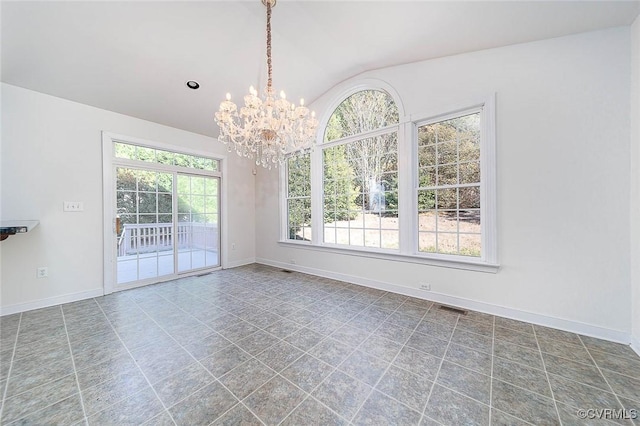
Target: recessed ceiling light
[192, 84]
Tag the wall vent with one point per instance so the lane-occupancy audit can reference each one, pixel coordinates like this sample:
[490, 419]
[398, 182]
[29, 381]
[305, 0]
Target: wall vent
[454, 310]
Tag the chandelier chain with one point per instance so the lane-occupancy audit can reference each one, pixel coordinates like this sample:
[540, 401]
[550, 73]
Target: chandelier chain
[269, 67]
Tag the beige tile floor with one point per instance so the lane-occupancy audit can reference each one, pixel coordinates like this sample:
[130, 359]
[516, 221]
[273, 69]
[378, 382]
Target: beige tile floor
[255, 345]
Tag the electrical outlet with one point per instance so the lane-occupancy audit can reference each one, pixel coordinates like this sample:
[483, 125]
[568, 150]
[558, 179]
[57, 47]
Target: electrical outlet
[73, 206]
[292, 261]
[425, 286]
[42, 272]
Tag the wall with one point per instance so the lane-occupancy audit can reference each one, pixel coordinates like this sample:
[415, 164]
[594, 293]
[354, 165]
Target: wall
[563, 184]
[635, 181]
[52, 152]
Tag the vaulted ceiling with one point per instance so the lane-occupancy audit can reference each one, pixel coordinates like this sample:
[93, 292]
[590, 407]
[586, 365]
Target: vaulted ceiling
[134, 57]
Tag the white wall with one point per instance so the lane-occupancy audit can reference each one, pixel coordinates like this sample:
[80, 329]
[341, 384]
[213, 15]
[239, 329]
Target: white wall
[635, 181]
[563, 184]
[51, 152]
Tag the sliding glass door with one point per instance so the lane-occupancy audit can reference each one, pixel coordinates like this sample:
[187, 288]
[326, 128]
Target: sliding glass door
[167, 215]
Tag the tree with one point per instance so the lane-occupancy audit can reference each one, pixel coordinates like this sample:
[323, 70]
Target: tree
[340, 193]
[298, 194]
[449, 154]
[373, 160]
[141, 191]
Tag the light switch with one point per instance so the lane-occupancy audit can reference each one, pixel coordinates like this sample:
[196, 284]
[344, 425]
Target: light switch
[73, 206]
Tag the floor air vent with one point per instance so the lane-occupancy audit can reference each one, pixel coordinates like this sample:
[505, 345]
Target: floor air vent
[202, 275]
[286, 271]
[454, 310]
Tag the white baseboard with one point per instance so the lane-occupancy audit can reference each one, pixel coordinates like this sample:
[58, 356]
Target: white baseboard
[50, 301]
[547, 321]
[241, 262]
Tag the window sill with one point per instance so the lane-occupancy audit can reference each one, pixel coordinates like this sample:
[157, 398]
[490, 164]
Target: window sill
[444, 262]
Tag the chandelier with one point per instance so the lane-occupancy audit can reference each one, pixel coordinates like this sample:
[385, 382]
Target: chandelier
[266, 128]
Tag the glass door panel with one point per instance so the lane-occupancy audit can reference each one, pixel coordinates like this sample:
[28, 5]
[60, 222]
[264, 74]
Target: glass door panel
[198, 231]
[144, 240]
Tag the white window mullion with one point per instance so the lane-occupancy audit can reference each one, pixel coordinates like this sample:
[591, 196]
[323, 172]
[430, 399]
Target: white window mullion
[317, 191]
[488, 191]
[407, 200]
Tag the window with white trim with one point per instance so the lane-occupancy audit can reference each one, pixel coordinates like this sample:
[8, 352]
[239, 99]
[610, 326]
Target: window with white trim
[417, 188]
[360, 172]
[448, 193]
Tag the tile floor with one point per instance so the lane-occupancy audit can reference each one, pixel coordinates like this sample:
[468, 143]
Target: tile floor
[255, 345]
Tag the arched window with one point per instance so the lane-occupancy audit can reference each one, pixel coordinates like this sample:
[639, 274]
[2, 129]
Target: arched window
[360, 172]
[368, 183]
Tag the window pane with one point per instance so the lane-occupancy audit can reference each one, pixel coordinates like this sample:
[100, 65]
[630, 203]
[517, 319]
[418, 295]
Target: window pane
[146, 202]
[447, 221]
[449, 215]
[469, 173]
[183, 160]
[447, 243]
[329, 234]
[427, 221]
[447, 198]
[165, 182]
[361, 112]
[165, 203]
[426, 200]
[470, 244]
[447, 175]
[371, 238]
[356, 237]
[141, 153]
[165, 157]
[469, 221]
[427, 242]
[390, 240]
[145, 154]
[342, 236]
[147, 181]
[125, 151]
[469, 150]
[427, 177]
[390, 220]
[448, 152]
[299, 215]
[470, 197]
[426, 156]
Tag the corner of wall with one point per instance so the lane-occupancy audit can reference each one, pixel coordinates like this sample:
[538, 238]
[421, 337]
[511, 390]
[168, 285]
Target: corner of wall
[635, 183]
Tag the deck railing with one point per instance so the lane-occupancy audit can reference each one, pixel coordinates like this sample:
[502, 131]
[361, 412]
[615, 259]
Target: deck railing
[151, 237]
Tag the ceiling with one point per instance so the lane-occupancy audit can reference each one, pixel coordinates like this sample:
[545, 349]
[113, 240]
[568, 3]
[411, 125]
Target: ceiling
[134, 57]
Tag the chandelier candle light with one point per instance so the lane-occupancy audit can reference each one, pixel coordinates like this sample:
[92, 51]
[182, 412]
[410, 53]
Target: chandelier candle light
[266, 128]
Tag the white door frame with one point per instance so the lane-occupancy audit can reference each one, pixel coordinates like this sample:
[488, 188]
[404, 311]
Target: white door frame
[109, 163]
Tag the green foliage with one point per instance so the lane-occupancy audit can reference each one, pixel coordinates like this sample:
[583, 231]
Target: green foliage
[298, 185]
[362, 112]
[141, 153]
[449, 154]
[373, 162]
[147, 192]
[340, 192]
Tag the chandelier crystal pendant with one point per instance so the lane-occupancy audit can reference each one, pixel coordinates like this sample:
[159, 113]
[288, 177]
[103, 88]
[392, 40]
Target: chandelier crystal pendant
[267, 128]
